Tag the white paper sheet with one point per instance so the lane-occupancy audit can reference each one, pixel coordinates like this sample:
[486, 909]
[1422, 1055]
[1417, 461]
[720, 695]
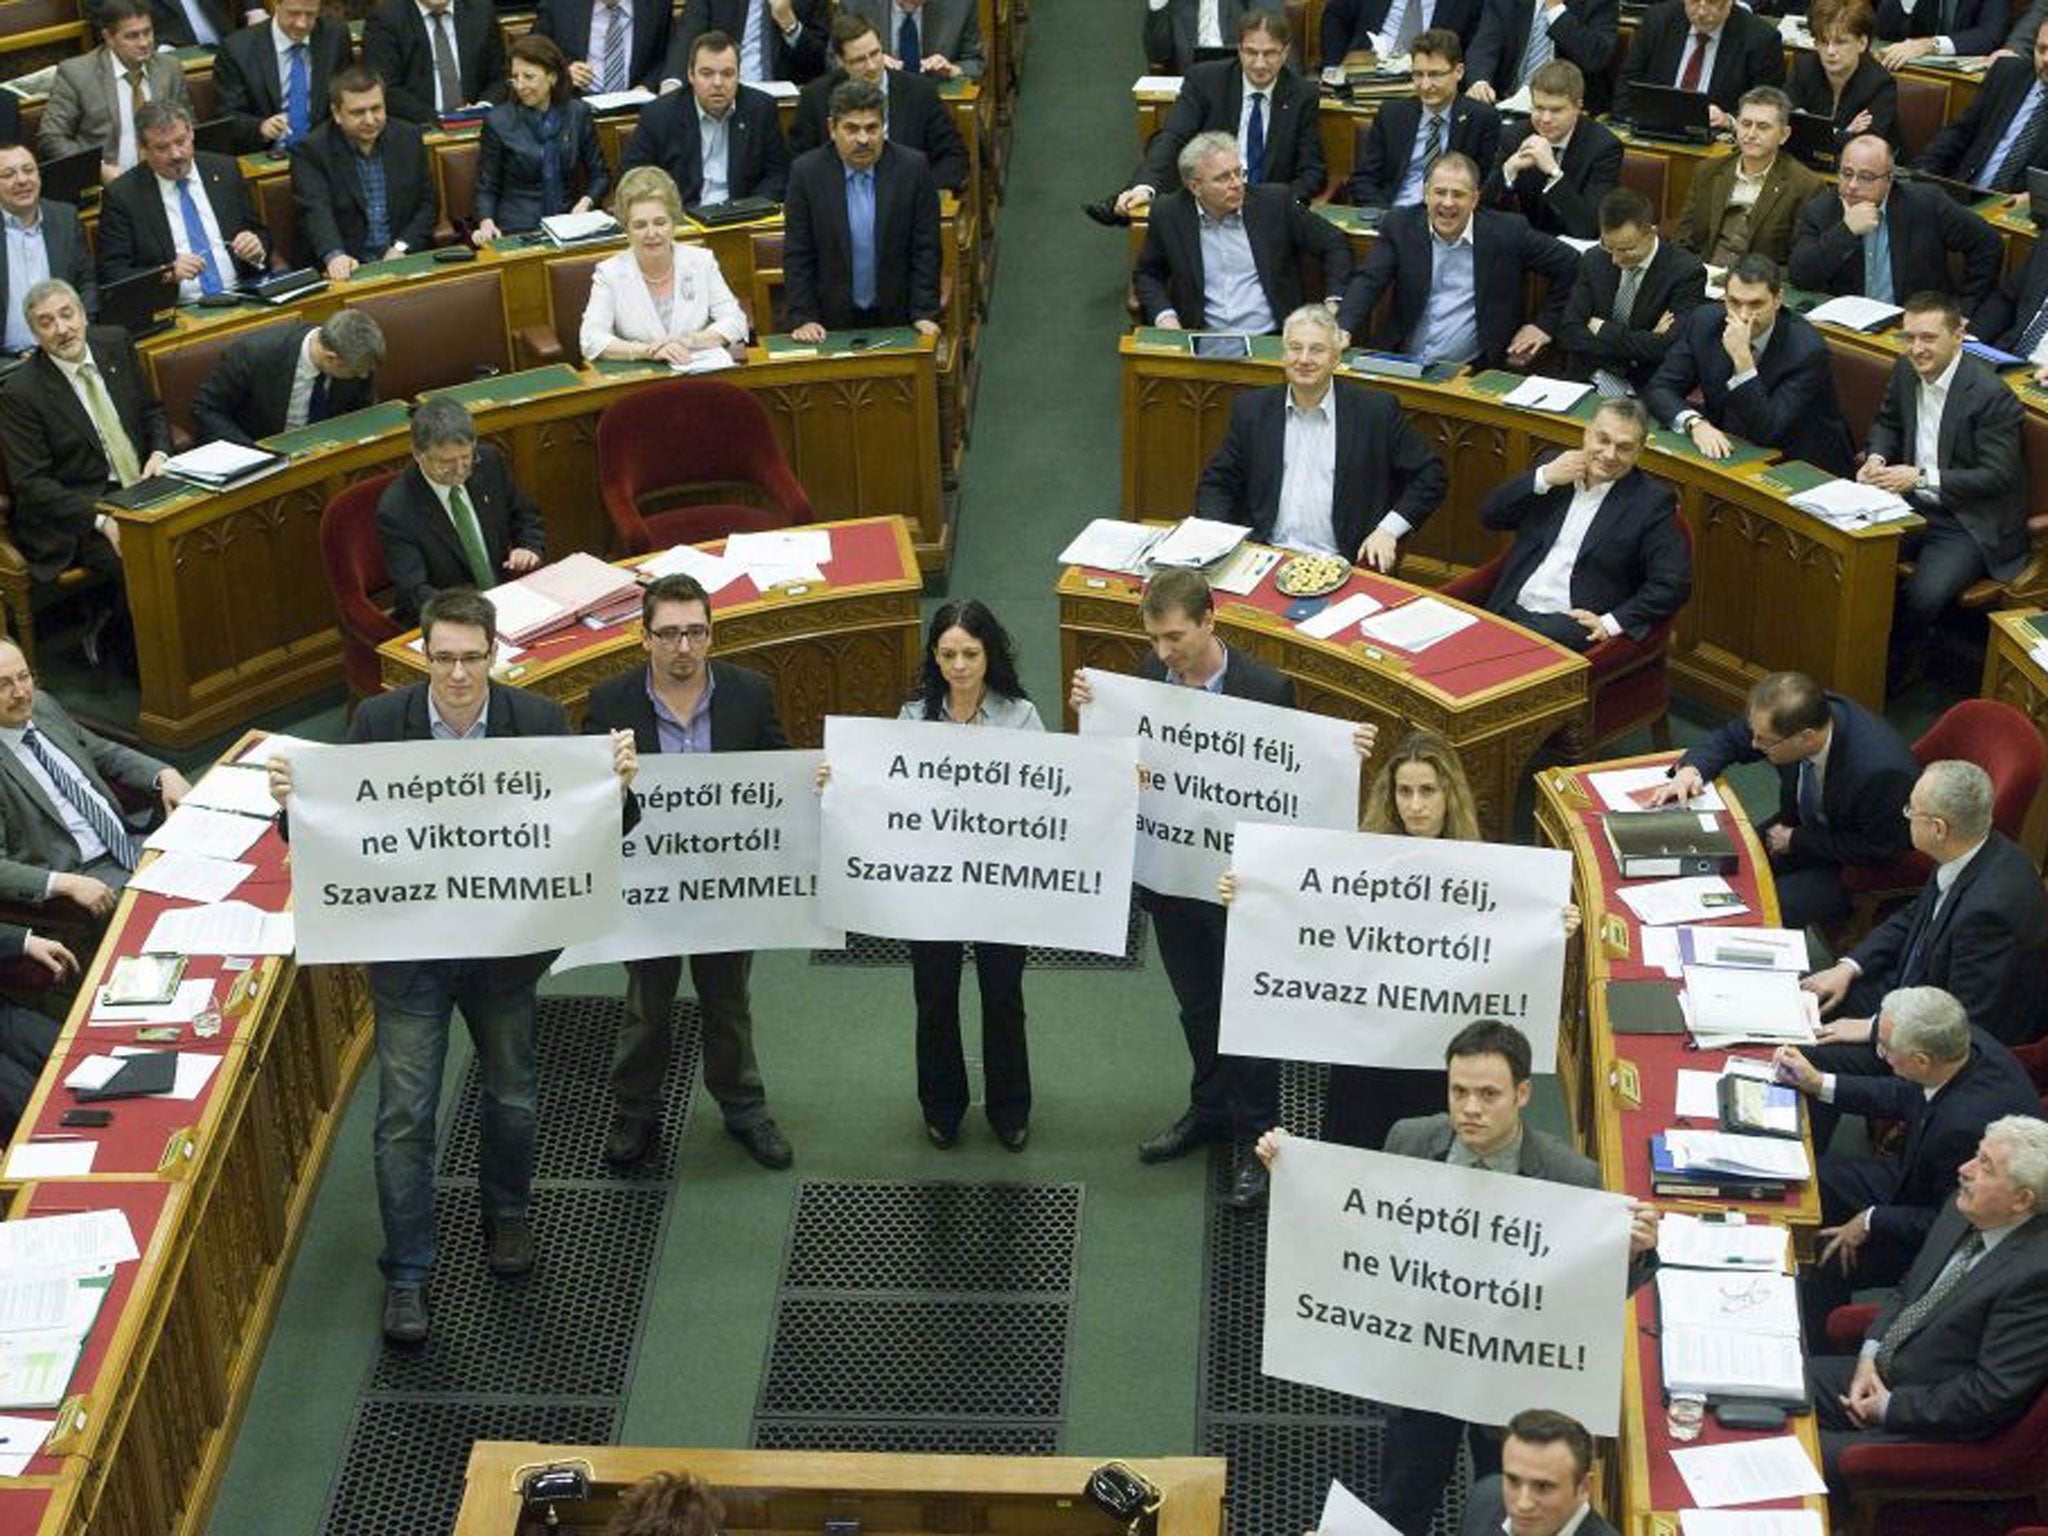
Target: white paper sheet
[781, 546]
[1748, 1471]
[714, 573]
[1751, 1522]
[191, 876]
[20, 1439]
[1195, 541]
[222, 928]
[618, 101]
[1418, 624]
[1722, 1362]
[1855, 312]
[92, 1072]
[1846, 501]
[1537, 393]
[1346, 1514]
[220, 460]
[1749, 1004]
[50, 1159]
[1338, 617]
[1698, 1096]
[33, 1302]
[1695, 1242]
[1689, 899]
[1660, 951]
[229, 788]
[1742, 1303]
[276, 744]
[1777, 949]
[1766, 1157]
[1112, 544]
[35, 1368]
[1156, 85]
[216, 834]
[74, 1243]
[186, 1005]
[1619, 787]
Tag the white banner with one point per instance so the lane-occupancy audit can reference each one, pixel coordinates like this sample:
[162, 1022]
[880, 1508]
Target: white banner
[725, 858]
[424, 850]
[937, 831]
[1212, 761]
[1448, 1289]
[1374, 950]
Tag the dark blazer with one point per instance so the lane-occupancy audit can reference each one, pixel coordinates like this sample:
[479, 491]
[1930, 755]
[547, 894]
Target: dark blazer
[743, 713]
[1787, 187]
[756, 155]
[135, 232]
[64, 245]
[1633, 564]
[1979, 26]
[1790, 405]
[918, 119]
[1982, 946]
[1383, 465]
[509, 185]
[1505, 250]
[245, 396]
[55, 463]
[568, 23]
[1349, 25]
[329, 193]
[951, 28]
[1872, 88]
[1925, 227]
[34, 842]
[1170, 31]
[1983, 476]
[1870, 773]
[817, 248]
[246, 85]
[396, 45]
[1390, 144]
[1243, 678]
[174, 27]
[1750, 53]
[1586, 34]
[1590, 168]
[1675, 283]
[1486, 1513]
[1962, 150]
[2026, 27]
[421, 548]
[800, 61]
[2004, 316]
[1169, 272]
[1212, 97]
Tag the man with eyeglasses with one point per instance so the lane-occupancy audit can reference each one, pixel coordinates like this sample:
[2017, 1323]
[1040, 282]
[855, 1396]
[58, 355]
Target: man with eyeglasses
[683, 701]
[455, 517]
[1886, 240]
[1409, 132]
[1632, 293]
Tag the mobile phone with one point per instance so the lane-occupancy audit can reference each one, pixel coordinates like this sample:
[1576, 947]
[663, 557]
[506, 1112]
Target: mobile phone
[90, 1119]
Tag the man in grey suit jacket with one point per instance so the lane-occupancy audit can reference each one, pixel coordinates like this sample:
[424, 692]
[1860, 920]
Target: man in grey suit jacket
[93, 99]
[1546, 1482]
[947, 33]
[52, 226]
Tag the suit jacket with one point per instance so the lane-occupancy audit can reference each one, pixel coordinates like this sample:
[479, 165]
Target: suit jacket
[756, 155]
[1349, 25]
[568, 23]
[1978, 1360]
[1212, 97]
[1383, 465]
[918, 119]
[246, 86]
[1924, 225]
[1170, 31]
[1505, 251]
[1870, 773]
[1543, 1155]
[510, 185]
[246, 395]
[1244, 677]
[1486, 1512]
[1676, 282]
[1983, 476]
[37, 842]
[1787, 187]
[1590, 167]
[329, 193]
[743, 713]
[1979, 25]
[1586, 34]
[1750, 53]
[2026, 28]
[1169, 274]
[396, 45]
[802, 60]
[174, 27]
[81, 112]
[135, 231]
[1981, 947]
[1390, 144]
[421, 548]
[1633, 563]
[1962, 150]
[948, 27]
[1871, 89]
[64, 244]
[817, 247]
[54, 459]
[1790, 405]
[2005, 315]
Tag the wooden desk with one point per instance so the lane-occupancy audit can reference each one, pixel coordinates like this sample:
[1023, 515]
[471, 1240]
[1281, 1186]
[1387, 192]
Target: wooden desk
[2012, 676]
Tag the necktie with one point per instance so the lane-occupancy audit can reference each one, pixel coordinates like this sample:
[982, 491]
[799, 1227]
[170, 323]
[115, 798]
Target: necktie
[1917, 1311]
[614, 47]
[1410, 24]
[1540, 51]
[1909, 967]
[1255, 140]
[136, 100]
[316, 403]
[106, 421]
[1810, 812]
[2035, 333]
[446, 74]
[297, 93]
[471, 533]
[1877, 261]
[1948, 18]
[1689, 76]
[2013, 170]
[1433, 140]
[195, 236]
[908, 48]
[82, 798]
[1625, 293]
[860, 224]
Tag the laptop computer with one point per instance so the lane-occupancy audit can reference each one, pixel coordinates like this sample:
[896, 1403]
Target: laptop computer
[1813, 140]
[143, 304]
[218, 136]
[68, 178]
[1211, 55]
[1666, 112]
[1961, 192]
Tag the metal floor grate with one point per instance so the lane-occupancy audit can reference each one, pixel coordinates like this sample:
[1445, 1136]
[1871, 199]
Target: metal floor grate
[902, 1435]
[868, 949]
[934, 1237]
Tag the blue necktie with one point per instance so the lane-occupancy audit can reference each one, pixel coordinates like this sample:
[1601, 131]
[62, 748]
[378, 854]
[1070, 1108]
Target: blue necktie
[1810, 813]
[1255, 140]
[297, 93]
[195, 236]
[1877, 262]
[83, 798]
[907, 46]
[860, 225]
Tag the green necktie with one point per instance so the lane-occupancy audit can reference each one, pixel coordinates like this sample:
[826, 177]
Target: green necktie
[99, 405]
[472, 535]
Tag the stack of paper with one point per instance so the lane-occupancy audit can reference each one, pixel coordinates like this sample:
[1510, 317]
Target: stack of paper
[714, 573]
[1112, 544]
[1855, 312]
[191, 876]
[1197, 541]
[1851, 504]
[1730, 1243]
[1730, 1335]
[1774, 949]
[1417, 624]
[222, 928]
[557, 595]
[1732, 1005]
[1537, 393]
[229, 787]
[53, 1277]
[782, 555]
[211, 834]
[1692, 899]
[576, 228]
[1745, 1157]
[216, 465]
[601, 102]
[1630, 789]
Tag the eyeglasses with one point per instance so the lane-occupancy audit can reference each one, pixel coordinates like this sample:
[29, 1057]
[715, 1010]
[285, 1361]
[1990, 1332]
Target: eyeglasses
[673, 635]
[448, 661]
[1862, 178]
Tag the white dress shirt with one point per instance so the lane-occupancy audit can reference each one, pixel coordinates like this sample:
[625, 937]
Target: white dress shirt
[1549, 587]
[298, 404]
[223, 259]
[714, 140]
[1927, 425]
[1308, 478]
[281, 46]
[126, 149]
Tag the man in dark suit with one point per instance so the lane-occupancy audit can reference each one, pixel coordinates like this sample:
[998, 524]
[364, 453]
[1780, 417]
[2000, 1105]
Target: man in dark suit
[2014, 318]
[685, 702]
[1713, 46]
[415, 1000]
[1625, 334]
[1886, 240]
[1409, 132]
[194, 23]
[1545, 1485]
[1362, 478]
[214, 240]
[285, 376]
[751, 159]
[1257, 235]
[1174, 29]
[273, 78]
[1597, 548]
[435, 56]
[1762, 372]
[1458, 273]
[612, 45]
[362, 185]
[861, 242]
[43, 240]
[1556, 176]
[779, 39]
[1843, 778]
[1749, 201]
[1518, 37]
[1975, 27]
[1391, 26]
[940, 38]
[913, 115]
[455, 517]
[1999, 138]
[1960, 1350]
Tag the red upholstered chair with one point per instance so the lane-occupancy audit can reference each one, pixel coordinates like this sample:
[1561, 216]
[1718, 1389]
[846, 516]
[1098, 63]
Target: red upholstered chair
[677, 444]
[354, 557]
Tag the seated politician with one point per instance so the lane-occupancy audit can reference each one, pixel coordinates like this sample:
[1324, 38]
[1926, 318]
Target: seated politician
[1998, 138]
[1750, 200]
[1174, 29]
[1839, 80]
[455, 517]
[660, 297]
[1912, 29]
[1224, 256]
[436, 57]
[1556, 175]
[1885, 239]
[1382, 27]
[1632, 293]
[1518, 37]
[1715, 47]
[1597, 550]
[1409, 132]
[2014, 318]
[861, 234]
[913, 115]
[1458, 273]
[289, 376]
[361, 182]
[719, 140]
[540, 155]
[181, 208]
[940, 39]
[1762, 372]
[43, 239]
[271, 79]
[1322, 464]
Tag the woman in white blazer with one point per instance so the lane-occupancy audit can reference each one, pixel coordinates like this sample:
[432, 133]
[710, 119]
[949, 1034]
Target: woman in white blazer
[658, 298]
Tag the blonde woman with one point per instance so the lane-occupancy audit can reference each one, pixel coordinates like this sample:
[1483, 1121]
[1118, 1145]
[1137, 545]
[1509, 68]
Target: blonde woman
[659, 298]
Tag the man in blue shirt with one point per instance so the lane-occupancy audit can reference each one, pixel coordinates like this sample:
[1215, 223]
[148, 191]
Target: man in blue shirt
[42, 239]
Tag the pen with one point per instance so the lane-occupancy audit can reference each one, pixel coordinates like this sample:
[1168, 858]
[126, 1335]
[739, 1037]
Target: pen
[57, 1136]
